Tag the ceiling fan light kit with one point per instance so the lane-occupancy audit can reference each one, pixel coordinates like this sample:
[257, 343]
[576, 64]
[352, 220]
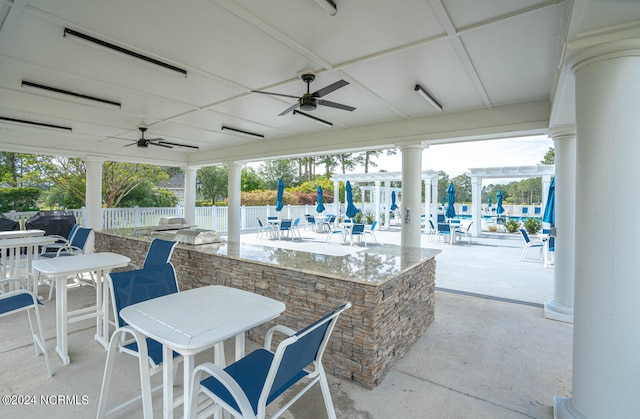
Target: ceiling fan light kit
[243, 132]
[314, 119]
[117, 48]
[329, 6]
[69, 93]
[426, 96]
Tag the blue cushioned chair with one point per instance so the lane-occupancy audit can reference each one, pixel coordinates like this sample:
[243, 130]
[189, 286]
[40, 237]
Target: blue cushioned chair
[246, 387]
[60, 241]
[128, 288]
[285, 227]
[159, 253]
[357, 231]
[529, 244]
[18, 300]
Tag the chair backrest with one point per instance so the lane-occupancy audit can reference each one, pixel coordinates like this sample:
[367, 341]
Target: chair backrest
[80, 237]
[357, 229]
[310, 219]
[285, 224]
[431, 225]
[373, 225]
[525, 236]
[332, 218]
[73, 231]
[296, 353]
[271, 218]
[139, 285]
[440, 218]
[260, 222]
[159, 252]
[296, 222]
[536, 210]
[525, 210]
[444, 228]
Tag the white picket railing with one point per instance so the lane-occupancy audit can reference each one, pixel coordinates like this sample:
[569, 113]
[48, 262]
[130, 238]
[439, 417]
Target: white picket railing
[217, 218]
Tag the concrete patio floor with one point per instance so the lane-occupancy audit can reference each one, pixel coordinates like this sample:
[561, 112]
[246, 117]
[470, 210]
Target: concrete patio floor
[483, 357]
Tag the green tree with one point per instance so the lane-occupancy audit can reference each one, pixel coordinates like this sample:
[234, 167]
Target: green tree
[20, 170]
[549, 157]
[462, 183]
[250, 180]
[213, 182]
[443, 184]
[121, 179]
[272, 170]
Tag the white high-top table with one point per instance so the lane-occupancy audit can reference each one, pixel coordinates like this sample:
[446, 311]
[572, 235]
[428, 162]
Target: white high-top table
[20, 233]
[189, 322]
[59, 269]
[10, 257]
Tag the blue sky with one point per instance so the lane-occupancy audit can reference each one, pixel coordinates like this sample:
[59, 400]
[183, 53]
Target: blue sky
[456, 159]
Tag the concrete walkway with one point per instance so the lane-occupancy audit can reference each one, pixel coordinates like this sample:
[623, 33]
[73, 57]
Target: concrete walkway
[481, 358]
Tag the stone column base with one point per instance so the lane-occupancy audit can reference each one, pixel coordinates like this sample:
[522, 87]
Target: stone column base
[563, 409]
[560, 312]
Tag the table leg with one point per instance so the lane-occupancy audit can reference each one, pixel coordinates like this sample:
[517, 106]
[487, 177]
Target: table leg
[239, 346]
[189, 366]
[102, 308]
[61, 319]
[167, 380]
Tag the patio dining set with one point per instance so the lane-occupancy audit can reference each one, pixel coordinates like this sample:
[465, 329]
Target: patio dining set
[161, 325]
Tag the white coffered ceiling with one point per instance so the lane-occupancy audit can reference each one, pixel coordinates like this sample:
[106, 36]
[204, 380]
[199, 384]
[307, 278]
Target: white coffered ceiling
[493, 65]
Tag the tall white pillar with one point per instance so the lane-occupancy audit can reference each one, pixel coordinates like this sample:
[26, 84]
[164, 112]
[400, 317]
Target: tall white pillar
[476, 205]
[190, 195]
[93, 192]
[606, 337]
[411, 195]
[387, 204]
[376, 200]
[234, 188]
[561, 307]
[336, 199]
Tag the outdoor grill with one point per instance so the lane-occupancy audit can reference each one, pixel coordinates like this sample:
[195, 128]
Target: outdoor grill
[197, 237]
[52, 222]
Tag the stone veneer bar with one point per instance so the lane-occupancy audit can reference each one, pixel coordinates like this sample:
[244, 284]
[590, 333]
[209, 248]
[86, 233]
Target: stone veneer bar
[392, 293]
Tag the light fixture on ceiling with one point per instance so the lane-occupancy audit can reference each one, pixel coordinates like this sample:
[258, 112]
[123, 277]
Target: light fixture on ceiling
[247, 133]
[329, 6]
[70, 93]
[34, 123]
[314, 118]
[428, 97]
[122, 50]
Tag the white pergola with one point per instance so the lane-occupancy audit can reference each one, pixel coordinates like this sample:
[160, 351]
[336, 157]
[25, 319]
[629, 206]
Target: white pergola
[513, 172]
[429, 178]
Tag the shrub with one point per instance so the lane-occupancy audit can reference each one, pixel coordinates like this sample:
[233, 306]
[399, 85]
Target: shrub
[512, 225]
[19, 199]
[532, 225]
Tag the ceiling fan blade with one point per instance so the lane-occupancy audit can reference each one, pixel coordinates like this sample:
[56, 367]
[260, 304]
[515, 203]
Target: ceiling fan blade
[274, 94]
[129, 145]
[289, 109]
[154, 139]
[161, 145]
[336, 105]
[330, 88]
[177, 145]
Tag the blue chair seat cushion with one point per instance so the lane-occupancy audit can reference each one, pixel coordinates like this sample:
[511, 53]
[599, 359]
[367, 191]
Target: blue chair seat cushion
[15, 302]
[154, 349]
[250, 373]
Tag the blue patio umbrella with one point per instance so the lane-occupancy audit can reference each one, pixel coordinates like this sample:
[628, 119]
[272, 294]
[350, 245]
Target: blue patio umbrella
[443, 198]
[489, 201]
[550, 209]
[279, 204]
[499, 209]
[393, 206]
[320, 207]
[451, 194]
[351, 209]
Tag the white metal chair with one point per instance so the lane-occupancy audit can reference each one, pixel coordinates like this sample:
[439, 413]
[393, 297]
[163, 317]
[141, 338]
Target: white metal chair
[285, 228]
[262, 229]
[530, 244]
[295, 229]
[60, 241]
[246, 387]
[127, 288]
[463, 231]
[22, 300]
[370, 231]
[76, 246]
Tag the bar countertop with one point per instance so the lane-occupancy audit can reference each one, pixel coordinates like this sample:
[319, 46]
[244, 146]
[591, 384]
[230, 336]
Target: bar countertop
[377, 263]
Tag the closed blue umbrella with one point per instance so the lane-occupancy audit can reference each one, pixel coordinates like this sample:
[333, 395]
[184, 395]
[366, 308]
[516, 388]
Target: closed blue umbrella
[451, 194]
[489, 201]
[550, 208]
[393, 206]
[351, 209]
[279, 204]
[320, 207]
[499, 209]
[443, 198]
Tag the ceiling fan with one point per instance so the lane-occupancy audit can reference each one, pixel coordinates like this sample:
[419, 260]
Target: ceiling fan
[309, 101]
[160, 142]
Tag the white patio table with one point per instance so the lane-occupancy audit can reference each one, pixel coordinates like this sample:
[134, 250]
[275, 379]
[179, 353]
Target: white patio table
[59, 269]
[191, 321]
[10, 257]
[20, 233]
